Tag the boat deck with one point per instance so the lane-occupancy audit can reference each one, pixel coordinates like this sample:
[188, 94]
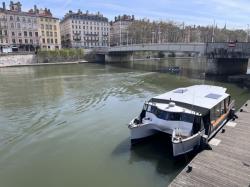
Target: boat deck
[228, 161]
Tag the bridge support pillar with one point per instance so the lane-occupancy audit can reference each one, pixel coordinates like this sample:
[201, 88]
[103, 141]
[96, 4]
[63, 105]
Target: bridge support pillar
[119, 57]
[226, 66]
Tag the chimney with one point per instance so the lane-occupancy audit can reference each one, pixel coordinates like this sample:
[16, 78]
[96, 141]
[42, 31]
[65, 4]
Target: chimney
[4, 7]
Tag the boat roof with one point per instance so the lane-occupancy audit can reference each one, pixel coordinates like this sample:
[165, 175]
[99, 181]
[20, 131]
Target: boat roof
[202, 96]
[175, 108]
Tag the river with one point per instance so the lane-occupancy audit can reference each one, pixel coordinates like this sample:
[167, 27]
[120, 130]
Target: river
[66, 125]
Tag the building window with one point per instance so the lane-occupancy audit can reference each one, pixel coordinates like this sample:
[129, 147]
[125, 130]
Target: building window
[25, 33]
[42, 33]
[30, 34]
[12, 25]
[51, 34]
[20, 41]
[26, 41]
[56, 41]
[54, 27]
[36, 34]
[41, 19]
[55, 34]
[13, 41]
[50, 27]
[5, 32]
[44, 40]
[19, 34]
[47, 33]
[52, 41]
[42, 26]
[11, 18]
[18, 19]
[18, 25]
[24, 20]
[13, 33]
[48, 41]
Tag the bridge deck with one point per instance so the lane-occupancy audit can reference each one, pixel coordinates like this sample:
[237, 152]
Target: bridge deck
[228, 163]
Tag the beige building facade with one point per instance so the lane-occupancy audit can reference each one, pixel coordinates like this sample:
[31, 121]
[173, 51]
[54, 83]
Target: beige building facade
[48, 30]
[119, 29]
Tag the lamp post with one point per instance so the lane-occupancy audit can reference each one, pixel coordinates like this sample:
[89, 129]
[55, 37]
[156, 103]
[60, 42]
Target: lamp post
[120, 31]
[127, 37]
[159, 41]
[153, 33]
[247, 40]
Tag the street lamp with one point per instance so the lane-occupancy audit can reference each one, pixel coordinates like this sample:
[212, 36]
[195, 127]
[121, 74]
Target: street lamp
[159, 37]
[127, 37]
[153, 33]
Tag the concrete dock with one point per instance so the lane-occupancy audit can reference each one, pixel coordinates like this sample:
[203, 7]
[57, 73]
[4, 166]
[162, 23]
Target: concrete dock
[228, 161]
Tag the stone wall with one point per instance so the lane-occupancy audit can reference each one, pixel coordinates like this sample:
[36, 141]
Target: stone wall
[226, 66]
[17, 59]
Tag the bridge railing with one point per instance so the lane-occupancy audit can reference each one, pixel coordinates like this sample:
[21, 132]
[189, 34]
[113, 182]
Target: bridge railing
[174, 47]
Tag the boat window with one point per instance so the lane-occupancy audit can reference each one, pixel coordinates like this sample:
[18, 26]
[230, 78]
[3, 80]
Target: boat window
[223, 107]
[215, 112]
[218, 110]
[174, 117]
[187, 117]
[162, 114]
[227, 100]
[153, 109]
[149, 108]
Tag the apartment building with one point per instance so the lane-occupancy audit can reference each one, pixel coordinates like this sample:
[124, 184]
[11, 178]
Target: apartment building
[18, 30]
[28, 31]
[84, 30]
[119, 29]
[4, 38]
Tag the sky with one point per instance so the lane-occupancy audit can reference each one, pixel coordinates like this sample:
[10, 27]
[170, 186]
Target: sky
[234, 13]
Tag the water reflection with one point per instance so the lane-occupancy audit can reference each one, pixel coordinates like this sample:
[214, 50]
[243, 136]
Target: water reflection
[158, 150]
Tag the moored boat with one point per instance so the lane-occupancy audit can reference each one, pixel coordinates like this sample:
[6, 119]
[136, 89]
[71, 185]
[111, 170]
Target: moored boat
[189, 115]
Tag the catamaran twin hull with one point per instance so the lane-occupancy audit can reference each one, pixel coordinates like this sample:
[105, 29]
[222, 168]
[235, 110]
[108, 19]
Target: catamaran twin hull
[187, 114]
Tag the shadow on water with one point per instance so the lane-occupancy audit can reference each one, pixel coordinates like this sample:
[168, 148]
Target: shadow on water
[156, 150]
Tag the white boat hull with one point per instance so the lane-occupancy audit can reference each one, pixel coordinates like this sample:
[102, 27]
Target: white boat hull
[141, 131]
[183, 146]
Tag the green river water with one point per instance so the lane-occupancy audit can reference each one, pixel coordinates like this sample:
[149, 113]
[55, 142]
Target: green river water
[66, 125]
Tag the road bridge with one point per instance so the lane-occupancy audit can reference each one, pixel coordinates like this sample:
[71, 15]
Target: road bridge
[222, 58]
